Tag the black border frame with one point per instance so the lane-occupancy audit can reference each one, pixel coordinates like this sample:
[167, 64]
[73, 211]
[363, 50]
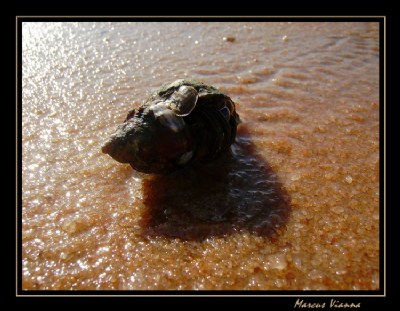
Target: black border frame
[311, 296]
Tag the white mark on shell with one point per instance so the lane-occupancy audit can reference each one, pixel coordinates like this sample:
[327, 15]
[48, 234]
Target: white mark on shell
[159, 108]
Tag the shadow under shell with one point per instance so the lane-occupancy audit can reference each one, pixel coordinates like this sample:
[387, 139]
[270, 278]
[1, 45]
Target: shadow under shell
[238, 191]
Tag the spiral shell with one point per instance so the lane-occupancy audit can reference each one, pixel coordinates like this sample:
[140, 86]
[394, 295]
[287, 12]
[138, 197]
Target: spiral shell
[183, 122]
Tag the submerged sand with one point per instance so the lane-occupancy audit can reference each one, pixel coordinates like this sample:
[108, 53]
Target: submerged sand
[307, 152]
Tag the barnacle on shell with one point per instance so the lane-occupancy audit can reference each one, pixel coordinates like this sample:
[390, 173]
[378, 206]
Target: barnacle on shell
[183, 122]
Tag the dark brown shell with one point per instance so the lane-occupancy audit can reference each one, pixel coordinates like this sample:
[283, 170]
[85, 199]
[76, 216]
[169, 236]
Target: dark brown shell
[183, 122]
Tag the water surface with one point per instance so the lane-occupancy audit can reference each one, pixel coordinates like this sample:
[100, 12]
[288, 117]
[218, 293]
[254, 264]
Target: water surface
[308, 96]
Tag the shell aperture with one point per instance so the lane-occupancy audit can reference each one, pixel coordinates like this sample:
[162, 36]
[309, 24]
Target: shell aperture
[183, 101]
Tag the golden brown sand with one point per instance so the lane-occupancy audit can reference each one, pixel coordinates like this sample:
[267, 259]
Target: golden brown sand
[307, 94]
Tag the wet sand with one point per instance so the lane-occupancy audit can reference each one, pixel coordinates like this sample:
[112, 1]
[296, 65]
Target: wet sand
[304, 168]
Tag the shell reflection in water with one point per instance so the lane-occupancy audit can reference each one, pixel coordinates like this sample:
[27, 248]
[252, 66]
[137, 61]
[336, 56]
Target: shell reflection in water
[183, 122]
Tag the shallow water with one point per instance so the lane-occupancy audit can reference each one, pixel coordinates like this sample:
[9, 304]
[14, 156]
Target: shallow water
[308, 96]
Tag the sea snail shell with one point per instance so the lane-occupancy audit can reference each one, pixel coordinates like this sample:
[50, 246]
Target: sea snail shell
[183, 122]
